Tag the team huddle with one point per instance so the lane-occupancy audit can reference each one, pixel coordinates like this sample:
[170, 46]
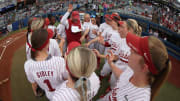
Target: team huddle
[62, 60]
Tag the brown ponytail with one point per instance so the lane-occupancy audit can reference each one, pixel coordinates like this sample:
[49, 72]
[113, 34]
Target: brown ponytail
[38, 38]
[162, 63]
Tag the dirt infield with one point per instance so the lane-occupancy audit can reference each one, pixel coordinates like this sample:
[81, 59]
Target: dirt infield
[7, 48]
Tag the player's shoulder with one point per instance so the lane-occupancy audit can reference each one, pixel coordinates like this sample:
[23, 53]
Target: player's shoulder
[60, 26]
[28, 63]
[64, 93]
[95, 83]
[58, 58]
[142, 94]
[52, 42]
[103, 24]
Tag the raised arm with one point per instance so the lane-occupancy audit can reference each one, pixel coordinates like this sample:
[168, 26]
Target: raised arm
[64, 20]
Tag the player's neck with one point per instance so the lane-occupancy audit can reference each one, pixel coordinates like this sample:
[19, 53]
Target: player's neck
[41, 56]
[70, 83]
[139, 80]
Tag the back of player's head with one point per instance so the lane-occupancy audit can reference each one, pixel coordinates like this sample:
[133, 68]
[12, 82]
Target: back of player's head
[162, 63]
[39, 40]
[132, 24]
[81, 63]
[37, 24]
[52, 20]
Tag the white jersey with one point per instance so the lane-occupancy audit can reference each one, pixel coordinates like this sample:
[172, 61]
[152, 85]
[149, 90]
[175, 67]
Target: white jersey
[123, 51]
[86, 25]
[103, 26]
[93, 27]
[112, 37]
[126, 91]
[28, 49]
[61, 30]
[118, 45]
[53, 48]
[64, 93]
[47, 74]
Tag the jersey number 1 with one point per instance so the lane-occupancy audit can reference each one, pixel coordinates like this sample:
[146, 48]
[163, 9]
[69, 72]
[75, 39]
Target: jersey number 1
[47, 82]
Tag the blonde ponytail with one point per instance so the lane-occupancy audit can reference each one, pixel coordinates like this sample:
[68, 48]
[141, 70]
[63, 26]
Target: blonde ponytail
[139, 30]
[82, 63]
[132, 24]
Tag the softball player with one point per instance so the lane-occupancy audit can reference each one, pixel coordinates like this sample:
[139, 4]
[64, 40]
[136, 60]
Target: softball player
[87, 22]
[82, 83]
[148, 73]
[72, 26]
[92, 34]
[44, 70]
[111, 40]
[101, 30]
[123, 50]
[53, 46]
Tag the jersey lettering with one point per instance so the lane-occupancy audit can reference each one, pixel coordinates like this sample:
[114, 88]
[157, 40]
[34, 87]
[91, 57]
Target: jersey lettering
[44, 74]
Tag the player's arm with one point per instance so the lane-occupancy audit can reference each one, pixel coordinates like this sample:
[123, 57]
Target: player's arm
[34, 87]
[61, 45]
[57, 49]
[64, 20]
[92, 41]
[98, 54]
[117, 72]
[84, 35]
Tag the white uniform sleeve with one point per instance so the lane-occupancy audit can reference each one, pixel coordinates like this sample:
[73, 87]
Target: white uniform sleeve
[101, 28]
[64, 20]
[61, 31]
[63, 70]
[95, 85]
[28, 52]
[57, 49]
[28, 72]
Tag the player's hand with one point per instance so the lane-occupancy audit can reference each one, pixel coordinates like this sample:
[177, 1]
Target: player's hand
[82, 39]
[94, 31]
[87, 44]
[96, 52]
[110, 57]
[70, 8]
[101, 40]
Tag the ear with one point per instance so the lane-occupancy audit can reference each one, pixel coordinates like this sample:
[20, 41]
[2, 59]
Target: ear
[131, 30]
[145, 68]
